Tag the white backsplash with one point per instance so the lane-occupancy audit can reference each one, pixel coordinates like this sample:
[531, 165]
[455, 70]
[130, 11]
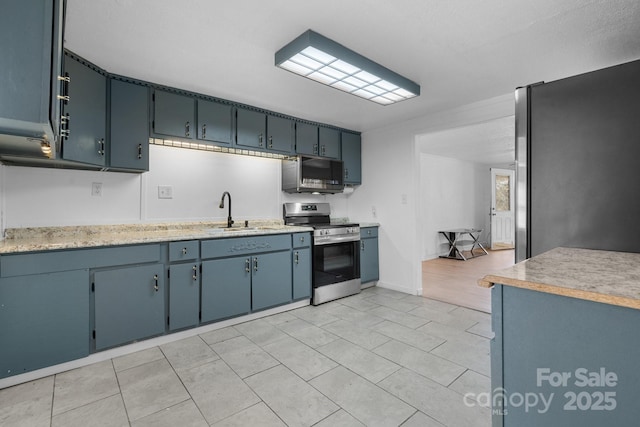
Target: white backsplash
[37, 197]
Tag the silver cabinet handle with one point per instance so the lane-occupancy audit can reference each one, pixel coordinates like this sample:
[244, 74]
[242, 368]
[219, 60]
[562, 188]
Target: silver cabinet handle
[195, 273]
[184, 251]
[260, 140]
[296, 258]
[187, 129]
[100, 143]
[255, 264]
[204, 131]
[270, 142]
[139, 151]
[315, 149]
[247, 265]
[156, 287]
[64, 97]
[361, 245]
[323, 150]
[301, 239]
[346, 173]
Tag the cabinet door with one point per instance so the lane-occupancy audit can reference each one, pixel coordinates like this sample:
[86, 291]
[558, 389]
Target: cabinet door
[45, 320]
[306, 139]
[271, 280]
[280, 132]
[301, 273]
[329, 143]
[129, 304]
[250, 128]
[226, 288]
[184, 295]
[351, 145]
[129, 124]
[86, 114]
[31, 34]
[369, 265]
[215, 122]
[173, 115]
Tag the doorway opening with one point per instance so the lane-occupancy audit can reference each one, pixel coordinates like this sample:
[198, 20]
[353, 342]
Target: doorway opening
[466, 182]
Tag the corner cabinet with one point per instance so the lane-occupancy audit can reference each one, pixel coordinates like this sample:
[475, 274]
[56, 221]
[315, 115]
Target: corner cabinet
[129, 126]
[32, 36]
[44, 318]
[84, 123]
[351, 156]
[369, 255]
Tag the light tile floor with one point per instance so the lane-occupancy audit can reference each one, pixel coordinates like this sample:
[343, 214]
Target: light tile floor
[379, 358]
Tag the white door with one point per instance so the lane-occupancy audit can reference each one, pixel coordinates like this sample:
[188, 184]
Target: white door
[502, 213]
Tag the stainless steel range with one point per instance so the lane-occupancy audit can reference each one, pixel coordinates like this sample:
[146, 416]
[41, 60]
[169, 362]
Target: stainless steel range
[336, 250]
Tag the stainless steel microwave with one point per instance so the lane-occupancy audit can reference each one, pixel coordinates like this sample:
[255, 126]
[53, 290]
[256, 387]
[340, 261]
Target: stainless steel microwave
[309, 174]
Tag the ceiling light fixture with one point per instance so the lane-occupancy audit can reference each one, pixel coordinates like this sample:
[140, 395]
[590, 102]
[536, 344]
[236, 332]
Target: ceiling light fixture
[318, 58]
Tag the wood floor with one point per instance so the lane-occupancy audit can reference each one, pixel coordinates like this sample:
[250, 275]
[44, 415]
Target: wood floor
[456, 282]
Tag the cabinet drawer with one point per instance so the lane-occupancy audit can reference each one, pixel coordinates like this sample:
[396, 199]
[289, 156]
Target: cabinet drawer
[183, 251]
[220, 248]
[301, 240]
[368, 232]
[77, 259]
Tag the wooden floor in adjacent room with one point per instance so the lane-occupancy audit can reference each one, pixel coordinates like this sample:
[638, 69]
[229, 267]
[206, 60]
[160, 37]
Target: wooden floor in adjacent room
[456, 281]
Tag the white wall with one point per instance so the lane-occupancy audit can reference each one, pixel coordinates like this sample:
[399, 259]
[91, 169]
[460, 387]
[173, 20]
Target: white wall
[453, 194]
[36, 197]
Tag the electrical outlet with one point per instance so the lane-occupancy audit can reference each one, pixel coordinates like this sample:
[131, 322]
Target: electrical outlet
[96, 189]
[165, 192]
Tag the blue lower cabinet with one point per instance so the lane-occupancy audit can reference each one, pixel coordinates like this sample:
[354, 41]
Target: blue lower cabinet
[226, 288]
[184, 295]
[369, 254]
[44, 320]
[271, 280]
[129, 304]
[301, 273]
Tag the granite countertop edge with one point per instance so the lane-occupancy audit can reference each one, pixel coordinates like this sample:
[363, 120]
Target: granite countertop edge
[601, 276]
[39, 239]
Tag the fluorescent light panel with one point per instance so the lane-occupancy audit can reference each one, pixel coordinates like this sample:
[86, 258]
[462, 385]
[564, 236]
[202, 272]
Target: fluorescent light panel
[318, 58]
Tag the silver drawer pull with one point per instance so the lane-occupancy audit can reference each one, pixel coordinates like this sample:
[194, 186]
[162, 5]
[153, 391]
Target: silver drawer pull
[156, 286]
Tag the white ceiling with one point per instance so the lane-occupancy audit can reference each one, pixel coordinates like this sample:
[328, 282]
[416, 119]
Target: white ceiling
[491, 143]
[459, 51]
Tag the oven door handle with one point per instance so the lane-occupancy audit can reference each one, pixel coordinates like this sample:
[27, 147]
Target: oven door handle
[335, 239]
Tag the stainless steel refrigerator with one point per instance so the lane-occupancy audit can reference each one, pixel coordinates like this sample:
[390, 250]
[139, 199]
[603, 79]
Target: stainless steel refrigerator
[578, 162]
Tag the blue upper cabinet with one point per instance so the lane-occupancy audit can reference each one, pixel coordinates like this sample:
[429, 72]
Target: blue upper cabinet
[306, 139]
[251, 129]
[85, 114]
[280, 131]
[31, 34]
[215, 122]
[329, 143]
[173, 115]
[264, 132]
[128, 123]
[351, 146]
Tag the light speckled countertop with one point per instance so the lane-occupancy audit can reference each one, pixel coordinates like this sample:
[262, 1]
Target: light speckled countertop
[50, 238]
[602, 276]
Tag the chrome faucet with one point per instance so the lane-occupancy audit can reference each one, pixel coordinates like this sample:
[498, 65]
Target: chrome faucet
[229, 220]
